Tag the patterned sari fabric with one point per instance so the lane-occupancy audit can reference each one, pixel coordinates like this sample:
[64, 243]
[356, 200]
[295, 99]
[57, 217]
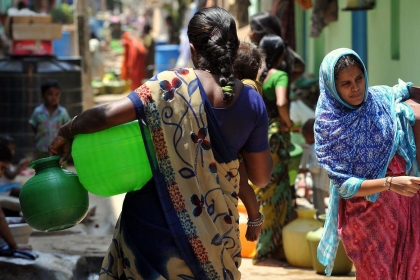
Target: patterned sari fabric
[382, 238]
[358, 143]
[275, 199]
[196, 181]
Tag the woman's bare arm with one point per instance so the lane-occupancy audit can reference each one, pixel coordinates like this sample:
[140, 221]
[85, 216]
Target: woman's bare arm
[92, 120]
[247, 195]
[403, 185]
[259, 167]
[283, 106]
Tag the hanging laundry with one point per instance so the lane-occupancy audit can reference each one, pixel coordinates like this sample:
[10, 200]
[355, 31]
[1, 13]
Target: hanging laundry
[305, 4]
[323, 13]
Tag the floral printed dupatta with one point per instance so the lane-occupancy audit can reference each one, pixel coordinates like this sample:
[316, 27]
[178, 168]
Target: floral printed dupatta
[198, 179]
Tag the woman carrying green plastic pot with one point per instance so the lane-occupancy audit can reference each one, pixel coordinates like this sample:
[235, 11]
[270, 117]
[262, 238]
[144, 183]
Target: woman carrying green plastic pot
[183, 223]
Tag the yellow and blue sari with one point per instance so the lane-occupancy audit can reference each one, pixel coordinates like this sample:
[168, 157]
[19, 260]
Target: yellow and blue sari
[183, 224]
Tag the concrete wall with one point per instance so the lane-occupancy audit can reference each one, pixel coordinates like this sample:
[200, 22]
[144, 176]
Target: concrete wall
[383, 69]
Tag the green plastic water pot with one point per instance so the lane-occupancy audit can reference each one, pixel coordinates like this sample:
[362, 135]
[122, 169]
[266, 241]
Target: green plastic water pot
[53, 199]
[112, 161]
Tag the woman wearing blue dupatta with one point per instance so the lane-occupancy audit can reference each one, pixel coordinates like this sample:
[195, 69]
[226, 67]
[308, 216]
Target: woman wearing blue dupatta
[184, 223]
[364, 139]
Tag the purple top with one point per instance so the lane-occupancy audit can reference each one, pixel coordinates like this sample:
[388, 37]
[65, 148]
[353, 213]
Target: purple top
[247, 126]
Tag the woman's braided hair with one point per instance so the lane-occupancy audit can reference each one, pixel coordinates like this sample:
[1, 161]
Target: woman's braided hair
[212, 31]
[273, 46]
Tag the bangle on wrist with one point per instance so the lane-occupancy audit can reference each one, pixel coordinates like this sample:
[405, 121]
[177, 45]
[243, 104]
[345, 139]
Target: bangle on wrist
[388, 183]
[256, 223]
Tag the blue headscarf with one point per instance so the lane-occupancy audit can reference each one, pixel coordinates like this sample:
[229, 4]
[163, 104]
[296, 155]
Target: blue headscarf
[356, 143]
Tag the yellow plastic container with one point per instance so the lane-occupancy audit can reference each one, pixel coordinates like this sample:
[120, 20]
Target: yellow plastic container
[295, 245]
[342, 265]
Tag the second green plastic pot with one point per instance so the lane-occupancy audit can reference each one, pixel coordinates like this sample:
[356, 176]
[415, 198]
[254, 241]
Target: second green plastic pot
[53, 199]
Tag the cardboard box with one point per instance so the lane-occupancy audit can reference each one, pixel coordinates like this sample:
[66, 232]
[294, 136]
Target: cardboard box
[31, 19]
[36, 31]
[32, 28]
[31, 47]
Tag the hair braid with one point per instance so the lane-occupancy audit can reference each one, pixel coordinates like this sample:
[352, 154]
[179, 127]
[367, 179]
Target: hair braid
[273, 47]
[217, 46]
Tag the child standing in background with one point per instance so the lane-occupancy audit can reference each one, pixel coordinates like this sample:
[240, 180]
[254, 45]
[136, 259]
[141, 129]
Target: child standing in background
[48, 117]
[320, 180]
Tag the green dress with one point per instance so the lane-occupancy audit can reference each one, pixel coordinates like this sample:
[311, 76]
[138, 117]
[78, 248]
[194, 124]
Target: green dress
[275, 199]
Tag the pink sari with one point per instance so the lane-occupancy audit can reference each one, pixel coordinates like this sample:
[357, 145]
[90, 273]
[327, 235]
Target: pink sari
[378, 245]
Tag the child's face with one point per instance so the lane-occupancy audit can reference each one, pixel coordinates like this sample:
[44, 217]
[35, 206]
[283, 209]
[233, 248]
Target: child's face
[3, 166]
[52, 97]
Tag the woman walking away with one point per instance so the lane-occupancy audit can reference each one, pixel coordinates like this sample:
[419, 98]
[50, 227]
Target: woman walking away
[364, 139]
[183, 224]
[264, 23]
[276, 199]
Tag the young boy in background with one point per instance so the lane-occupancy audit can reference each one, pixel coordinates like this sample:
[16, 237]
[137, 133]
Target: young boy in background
[48, 117]
[320, 180]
